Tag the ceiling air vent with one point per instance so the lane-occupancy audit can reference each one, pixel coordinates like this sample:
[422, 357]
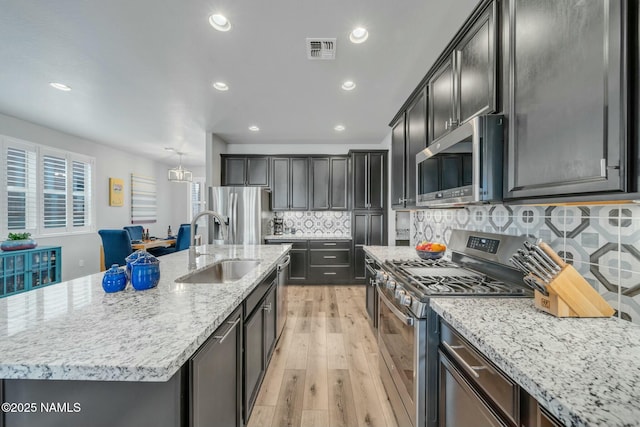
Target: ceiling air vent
[321, 48]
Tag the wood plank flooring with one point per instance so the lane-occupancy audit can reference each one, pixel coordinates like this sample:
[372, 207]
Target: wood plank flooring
[324, 370]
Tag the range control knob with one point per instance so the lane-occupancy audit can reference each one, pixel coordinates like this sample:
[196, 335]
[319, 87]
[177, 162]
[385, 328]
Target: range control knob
[405, 300]
[399, 294]
[381, 276]
[391, 284]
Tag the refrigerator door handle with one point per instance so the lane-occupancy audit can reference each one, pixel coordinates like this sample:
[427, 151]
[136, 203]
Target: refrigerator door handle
[235, 217]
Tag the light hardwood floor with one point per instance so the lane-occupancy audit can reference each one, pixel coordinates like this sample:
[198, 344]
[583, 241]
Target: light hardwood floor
[324, 370]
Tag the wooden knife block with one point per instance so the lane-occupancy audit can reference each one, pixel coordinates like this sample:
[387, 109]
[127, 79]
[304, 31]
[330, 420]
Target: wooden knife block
[570, 295]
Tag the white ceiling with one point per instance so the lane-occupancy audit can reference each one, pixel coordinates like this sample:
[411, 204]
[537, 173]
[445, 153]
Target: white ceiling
[141, 70]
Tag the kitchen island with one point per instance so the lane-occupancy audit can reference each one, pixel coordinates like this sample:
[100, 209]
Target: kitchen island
[75, 333]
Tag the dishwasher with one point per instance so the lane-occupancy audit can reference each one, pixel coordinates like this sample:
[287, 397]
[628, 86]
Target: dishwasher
[281, 294]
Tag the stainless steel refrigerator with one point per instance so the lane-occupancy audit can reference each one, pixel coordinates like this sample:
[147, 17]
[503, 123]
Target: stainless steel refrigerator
[248, 210]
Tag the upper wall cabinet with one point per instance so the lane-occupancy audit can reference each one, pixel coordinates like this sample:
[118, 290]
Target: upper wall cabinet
[398, 163]
[329, 183]
[290, 183]
[245, 171]
[464, 86]
[369, 179]
[568, 95]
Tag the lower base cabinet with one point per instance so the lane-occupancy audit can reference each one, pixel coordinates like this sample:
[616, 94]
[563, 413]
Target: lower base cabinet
[216, 377]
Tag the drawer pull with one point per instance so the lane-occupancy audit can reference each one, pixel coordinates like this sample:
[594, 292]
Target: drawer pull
[471, 369]
[329, 257]
[330, 273]
[329, 244]
[233, 324]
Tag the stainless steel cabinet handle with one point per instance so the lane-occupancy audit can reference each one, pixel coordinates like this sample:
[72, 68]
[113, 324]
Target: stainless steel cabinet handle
[471, 369]
[446, 124]
[329, 244]
[226, 334]
[329, 257]
[286, 262]
[267, 308]
[368, 261]
[329, 273]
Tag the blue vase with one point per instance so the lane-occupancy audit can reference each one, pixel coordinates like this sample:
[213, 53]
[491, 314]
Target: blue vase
[114, 279]
[145, 272]
[18, 245]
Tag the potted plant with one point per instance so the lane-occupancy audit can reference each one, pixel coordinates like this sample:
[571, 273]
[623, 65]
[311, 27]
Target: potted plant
[18, 241]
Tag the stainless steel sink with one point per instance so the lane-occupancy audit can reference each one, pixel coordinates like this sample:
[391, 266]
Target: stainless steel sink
[228, 270]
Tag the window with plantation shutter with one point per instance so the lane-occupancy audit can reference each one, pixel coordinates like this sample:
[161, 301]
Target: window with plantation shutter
[44, 191]
[20, 189]
[54, 182]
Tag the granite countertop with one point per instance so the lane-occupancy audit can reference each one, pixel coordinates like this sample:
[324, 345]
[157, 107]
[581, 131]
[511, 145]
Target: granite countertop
[586, 372]
[75, 331]
[388, 253]
[288, 237]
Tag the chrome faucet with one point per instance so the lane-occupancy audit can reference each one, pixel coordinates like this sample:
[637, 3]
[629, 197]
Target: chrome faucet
[193, 254]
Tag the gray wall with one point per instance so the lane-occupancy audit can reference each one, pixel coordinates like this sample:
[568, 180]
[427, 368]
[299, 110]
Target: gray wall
[84, 248]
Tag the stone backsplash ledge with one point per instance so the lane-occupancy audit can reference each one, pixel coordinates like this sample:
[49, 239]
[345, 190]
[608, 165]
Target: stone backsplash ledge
[602, 242]
[317, 223]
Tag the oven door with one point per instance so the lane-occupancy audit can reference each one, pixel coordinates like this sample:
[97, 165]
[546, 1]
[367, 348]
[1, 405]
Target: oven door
[402, 347]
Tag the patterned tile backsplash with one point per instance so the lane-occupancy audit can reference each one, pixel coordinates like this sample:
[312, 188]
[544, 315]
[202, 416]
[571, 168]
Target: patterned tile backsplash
[317, 223]
[602, 242]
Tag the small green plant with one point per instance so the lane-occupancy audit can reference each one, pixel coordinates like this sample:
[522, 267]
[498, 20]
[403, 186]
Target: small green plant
[19, 236]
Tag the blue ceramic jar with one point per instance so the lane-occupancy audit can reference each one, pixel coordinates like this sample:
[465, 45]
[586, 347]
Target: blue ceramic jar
[114, 279]
[145, 272]
[131, 258]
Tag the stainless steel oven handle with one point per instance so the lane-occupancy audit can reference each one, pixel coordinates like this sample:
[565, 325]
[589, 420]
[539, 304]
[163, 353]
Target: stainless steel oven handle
[370, 270]
[407, 320]
[470, 369]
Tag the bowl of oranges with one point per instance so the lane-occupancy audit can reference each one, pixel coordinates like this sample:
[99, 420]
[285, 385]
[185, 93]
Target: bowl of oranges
[430, 250]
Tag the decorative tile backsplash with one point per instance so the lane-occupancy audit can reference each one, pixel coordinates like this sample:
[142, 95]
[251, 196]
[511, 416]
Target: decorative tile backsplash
[602, 242]
[317, 223]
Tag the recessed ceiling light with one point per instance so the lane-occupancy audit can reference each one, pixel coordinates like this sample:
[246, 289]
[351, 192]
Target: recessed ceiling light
[339, 128]
[359, 35]
[219, 22]
[254, 128]
[348, 85]
[221, 86]
[60, 86]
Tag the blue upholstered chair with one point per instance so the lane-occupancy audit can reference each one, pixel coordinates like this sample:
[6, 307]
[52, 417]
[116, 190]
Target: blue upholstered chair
[135, 231]
[116, 245]
[182, 241]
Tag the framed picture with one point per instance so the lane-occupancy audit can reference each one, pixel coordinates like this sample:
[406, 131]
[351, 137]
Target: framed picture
[116, 192]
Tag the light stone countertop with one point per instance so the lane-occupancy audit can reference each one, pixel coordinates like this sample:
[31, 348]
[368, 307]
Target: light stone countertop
[586, 372]
[388, 253]
[288, 237]
[75, 331]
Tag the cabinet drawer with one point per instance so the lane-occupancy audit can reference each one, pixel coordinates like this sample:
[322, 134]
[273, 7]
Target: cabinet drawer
[295, 244]
[499, 388]
[258, 293]
[330, 275]
[330, 257]
[330, 244]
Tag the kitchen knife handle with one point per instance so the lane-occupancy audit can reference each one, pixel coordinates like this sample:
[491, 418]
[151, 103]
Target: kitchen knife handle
[552, 254]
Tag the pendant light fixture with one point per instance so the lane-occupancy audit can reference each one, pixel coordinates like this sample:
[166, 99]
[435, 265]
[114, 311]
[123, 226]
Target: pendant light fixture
[180, 174]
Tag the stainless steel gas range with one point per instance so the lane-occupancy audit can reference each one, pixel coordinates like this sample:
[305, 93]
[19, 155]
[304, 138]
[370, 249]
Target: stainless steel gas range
[408, 330]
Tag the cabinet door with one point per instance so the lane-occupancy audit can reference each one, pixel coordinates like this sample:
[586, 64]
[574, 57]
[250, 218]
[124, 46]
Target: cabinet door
[319, 183]
[298, 266]
[475, 63]
[377, 230]
[360, 180]
[258, 171]
[441, 104]
[280, 184]
[234, 170]
[254, 357]
[416, 142]
[299, 184]
[215, 377]
[270, 333]
[398, 166]
[566, 134]
[339, 179]
[377, 180]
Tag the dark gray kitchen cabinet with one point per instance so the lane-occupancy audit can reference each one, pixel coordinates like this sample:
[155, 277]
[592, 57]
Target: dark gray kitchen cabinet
[398, 163]
[369, 179]
[330, 183]
[289, 183]
[369, 229]
[442, 114]
[216, 377]
[416, 141]
[568, 98]
[245, 170]
[259, 338]
[464, 85]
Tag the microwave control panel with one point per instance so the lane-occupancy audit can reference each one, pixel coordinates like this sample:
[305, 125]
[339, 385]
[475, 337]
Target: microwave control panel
[483, 244]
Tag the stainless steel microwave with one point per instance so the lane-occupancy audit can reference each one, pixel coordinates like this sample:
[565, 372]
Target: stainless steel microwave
[464, 166]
